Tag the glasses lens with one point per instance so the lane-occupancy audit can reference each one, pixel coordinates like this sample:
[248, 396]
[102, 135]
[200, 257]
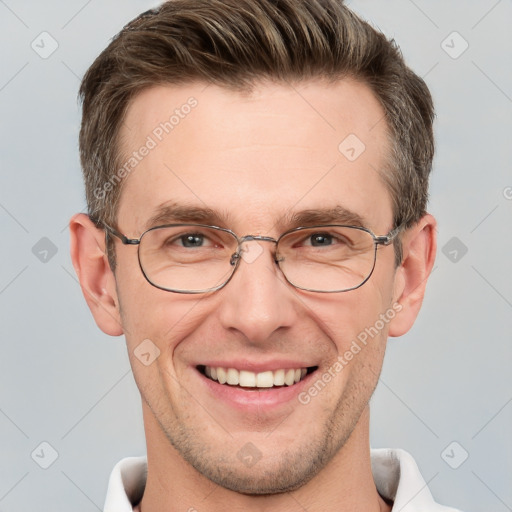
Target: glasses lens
[187, 258]
[327, 259]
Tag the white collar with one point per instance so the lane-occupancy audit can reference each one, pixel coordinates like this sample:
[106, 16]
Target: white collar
[396, 476]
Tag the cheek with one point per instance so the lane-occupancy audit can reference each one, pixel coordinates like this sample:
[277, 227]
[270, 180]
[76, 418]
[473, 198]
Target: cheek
[155, 323]
[153, 317]
[353, 316]
[357, 326]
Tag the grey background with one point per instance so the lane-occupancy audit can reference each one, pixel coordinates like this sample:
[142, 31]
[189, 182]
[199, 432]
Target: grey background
[64, 382]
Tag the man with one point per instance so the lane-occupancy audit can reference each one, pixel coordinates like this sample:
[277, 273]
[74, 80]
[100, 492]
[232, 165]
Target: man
[256, 174]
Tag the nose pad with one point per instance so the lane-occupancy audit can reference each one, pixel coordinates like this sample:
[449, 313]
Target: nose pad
[250, 252]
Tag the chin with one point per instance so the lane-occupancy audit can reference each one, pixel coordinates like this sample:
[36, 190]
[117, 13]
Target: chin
[285, 475]
[274, 473]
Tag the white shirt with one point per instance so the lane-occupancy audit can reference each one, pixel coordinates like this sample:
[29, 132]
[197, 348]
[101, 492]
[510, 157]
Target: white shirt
[396, 476]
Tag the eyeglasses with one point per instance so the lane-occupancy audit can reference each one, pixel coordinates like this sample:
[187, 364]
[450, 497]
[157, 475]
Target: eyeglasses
[197, 258]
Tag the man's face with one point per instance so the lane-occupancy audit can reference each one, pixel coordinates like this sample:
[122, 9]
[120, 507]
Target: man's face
[255, 160]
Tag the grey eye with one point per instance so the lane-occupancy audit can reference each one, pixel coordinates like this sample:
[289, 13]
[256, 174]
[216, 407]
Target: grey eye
[321, 239]
[192, 240]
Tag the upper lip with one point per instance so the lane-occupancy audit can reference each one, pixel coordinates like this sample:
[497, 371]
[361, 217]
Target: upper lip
[257, 366]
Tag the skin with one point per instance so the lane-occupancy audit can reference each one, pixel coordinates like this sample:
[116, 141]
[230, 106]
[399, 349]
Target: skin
[253, 158]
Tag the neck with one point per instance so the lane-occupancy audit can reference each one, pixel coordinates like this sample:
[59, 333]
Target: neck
[345, 484]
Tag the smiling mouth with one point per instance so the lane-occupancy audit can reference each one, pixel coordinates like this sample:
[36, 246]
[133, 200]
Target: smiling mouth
[251, 380]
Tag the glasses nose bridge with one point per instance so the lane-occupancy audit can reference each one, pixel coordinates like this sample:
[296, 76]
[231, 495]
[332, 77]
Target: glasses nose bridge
[235, 258]
[257, 238]
[254, 238]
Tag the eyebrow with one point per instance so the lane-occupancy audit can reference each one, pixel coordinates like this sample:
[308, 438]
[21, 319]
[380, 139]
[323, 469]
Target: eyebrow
[172, 212]
[319, 216]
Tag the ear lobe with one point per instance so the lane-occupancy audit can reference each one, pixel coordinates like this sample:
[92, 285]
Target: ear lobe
[419, 245]
[96, 278]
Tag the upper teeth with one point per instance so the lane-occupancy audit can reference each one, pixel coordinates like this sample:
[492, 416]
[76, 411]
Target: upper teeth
[247, 379]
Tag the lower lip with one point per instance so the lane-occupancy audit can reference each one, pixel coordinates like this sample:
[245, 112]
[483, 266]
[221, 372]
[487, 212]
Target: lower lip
[252, 399]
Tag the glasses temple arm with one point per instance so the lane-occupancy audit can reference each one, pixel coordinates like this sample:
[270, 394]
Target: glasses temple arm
[110, 230]
[387, 239]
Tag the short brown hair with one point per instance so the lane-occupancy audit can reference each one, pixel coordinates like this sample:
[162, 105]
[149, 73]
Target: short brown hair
[236, 43]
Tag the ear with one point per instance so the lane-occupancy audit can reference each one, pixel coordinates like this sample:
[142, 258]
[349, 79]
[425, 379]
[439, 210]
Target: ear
[419, 244]
[96, 278]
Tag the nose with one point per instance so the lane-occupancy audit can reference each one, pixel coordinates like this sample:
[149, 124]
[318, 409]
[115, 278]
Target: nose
[257, 301]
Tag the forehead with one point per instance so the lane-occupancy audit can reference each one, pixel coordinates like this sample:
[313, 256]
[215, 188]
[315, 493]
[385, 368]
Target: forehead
[255, 157]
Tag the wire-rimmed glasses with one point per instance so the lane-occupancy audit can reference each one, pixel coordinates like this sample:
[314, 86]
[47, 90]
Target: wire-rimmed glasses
[199, 258]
